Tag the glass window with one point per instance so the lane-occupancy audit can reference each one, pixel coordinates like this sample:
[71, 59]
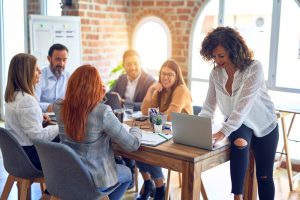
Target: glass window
[288, 60]
[205, 23]
[152, 41]
[13, 37]
[200, 69]
[54, 7]
[254, 24]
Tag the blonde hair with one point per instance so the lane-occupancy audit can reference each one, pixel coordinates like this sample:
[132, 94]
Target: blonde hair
[20, 77]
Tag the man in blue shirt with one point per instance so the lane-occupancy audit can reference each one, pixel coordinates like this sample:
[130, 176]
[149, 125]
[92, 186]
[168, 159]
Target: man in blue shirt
[53, 80]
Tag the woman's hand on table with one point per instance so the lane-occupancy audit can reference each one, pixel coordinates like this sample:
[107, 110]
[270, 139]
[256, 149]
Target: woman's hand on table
[218, 137]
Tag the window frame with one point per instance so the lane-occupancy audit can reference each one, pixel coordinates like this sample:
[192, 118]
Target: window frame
[3, 58]
[274, 43]
[165, 27]
[2, 62]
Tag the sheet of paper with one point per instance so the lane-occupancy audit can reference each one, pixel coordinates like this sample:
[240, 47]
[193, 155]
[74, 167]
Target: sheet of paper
[150, 138]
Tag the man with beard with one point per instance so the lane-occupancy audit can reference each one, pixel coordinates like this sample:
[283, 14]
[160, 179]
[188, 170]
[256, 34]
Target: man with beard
[132, 88]
[53, 81]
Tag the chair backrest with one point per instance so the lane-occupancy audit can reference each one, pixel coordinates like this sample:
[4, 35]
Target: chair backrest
[65, 174]
[15, 160]
[197, 109]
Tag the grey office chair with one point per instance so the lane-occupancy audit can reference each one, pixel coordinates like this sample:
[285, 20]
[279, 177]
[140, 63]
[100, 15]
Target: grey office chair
[18, 166]
[65, 174]
[197, 109]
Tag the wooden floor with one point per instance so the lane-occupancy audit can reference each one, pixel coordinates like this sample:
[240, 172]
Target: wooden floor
[216, 182]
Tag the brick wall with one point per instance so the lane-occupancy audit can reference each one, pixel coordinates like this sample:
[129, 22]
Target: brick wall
[107, 27]
[33, 7]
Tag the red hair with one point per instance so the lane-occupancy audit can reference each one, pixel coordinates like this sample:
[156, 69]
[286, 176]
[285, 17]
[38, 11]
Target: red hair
[84, 92]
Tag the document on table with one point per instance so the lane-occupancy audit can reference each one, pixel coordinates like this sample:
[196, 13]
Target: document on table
[152, 139]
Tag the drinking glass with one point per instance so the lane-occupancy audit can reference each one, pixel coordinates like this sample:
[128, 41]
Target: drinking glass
[128, 111]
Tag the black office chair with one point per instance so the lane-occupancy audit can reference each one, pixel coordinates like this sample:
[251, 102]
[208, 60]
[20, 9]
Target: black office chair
[18, 166]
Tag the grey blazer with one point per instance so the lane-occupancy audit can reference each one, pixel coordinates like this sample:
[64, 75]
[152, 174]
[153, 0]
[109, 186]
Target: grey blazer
[144, 83]
[96, 150]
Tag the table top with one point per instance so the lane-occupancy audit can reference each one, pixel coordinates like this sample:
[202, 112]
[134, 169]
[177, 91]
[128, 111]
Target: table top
[291, 108]
[177, 152]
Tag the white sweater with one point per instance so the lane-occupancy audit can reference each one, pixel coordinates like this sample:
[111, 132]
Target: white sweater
[249, 103]
[23, 118]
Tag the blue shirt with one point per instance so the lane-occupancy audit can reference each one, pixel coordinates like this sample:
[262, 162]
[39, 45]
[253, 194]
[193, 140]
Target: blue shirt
[49, 89]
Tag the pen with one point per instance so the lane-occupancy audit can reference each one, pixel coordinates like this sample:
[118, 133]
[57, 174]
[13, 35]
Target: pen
[161, 135]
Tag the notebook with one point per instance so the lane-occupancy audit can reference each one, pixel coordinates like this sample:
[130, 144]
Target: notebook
[196, 131]
[150, 138]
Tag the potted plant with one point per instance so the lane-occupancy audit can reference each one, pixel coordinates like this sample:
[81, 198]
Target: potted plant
[114, 74]
[157, 121]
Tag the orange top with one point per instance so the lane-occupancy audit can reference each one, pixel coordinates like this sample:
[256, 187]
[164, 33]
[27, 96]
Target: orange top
[181, 102]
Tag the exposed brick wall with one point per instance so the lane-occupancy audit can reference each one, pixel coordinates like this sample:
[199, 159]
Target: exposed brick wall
[107, 27]
[104, 28]
[33, 7]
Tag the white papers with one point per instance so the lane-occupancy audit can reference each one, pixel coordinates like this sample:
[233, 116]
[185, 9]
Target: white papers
[150, 138]
[154, 139]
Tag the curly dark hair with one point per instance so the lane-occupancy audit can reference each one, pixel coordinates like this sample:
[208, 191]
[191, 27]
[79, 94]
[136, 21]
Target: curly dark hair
[231, 40]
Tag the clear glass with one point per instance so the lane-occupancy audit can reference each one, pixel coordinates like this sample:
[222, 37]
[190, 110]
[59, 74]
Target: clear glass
[152, 45]
[288, 60]
[254, 24]
[128, 110]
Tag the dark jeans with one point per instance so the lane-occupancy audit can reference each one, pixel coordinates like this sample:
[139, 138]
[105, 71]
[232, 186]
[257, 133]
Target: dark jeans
[33, 156]
[264, 149]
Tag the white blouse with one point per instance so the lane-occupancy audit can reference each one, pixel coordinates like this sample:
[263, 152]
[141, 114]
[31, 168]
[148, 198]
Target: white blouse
[249, 103]
[23, 118]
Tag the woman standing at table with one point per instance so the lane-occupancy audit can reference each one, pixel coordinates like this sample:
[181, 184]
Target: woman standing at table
[237, 86]
[23, 114]
[89, 126]
[169, 94]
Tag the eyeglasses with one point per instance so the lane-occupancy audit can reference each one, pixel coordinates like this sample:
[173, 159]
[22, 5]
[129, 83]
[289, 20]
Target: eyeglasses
[169, 75]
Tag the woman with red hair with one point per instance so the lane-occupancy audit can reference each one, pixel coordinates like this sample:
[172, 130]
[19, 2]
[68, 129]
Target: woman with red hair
[88, 126]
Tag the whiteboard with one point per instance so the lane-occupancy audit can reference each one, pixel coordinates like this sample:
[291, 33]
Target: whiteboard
[47, 30]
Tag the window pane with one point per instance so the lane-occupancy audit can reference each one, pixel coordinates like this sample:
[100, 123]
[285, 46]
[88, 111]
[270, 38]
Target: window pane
[151, 42]
[13, 29]
[254, 24]
[199, 91]
[206, 21]
[54, 7]
[288, 61]
[13, 37]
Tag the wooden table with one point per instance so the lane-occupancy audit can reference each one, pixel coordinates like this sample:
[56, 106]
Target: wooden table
[285, 110]
[190, 161]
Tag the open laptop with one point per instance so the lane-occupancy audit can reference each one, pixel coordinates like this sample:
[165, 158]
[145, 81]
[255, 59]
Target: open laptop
[193, 130]
[112, 99]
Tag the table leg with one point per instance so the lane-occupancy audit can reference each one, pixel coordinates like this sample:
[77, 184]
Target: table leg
[287, 156]
[284, 132]
[191, 180]
[250, 189]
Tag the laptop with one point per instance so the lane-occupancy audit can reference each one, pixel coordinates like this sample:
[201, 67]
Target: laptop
[196, 131]
[112, 99]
